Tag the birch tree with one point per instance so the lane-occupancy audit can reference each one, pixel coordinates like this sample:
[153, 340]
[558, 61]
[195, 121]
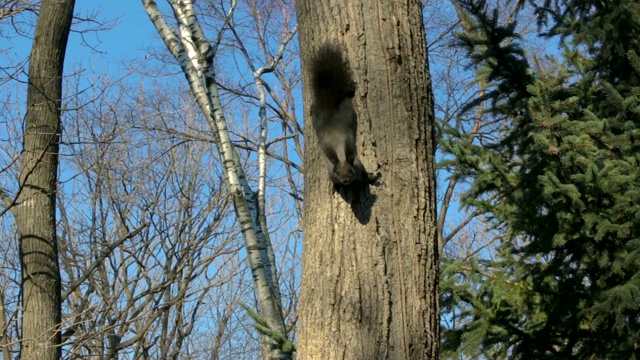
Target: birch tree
[195, 55]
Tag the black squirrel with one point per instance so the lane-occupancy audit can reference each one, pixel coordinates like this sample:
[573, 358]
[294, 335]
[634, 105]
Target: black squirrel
[334, 119]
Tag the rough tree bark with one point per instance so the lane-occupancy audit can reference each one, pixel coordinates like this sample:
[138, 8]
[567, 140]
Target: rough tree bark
[369, 278]
[35, 212]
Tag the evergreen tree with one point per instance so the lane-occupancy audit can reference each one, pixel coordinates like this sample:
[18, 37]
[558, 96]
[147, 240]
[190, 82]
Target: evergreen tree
[561, 185]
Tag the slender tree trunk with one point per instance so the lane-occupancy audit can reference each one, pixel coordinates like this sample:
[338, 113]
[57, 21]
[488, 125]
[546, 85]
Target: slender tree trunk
[36, 210]
[4, 341]
[369, 278]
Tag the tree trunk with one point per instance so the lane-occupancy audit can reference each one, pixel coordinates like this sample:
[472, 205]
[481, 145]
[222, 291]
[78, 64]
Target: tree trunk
[369, 277]
[36, 210]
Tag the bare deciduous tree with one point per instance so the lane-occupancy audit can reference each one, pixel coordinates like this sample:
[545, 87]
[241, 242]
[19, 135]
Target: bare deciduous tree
[146, 231]
[35, 212]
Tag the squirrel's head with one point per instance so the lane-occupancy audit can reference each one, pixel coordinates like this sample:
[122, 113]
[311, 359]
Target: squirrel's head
[345, 173]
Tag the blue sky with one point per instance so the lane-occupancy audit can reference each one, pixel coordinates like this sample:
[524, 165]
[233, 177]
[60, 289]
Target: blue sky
[128, 35]
[131, 35]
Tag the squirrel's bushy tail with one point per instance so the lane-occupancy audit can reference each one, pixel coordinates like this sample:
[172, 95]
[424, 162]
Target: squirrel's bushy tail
[331, 79]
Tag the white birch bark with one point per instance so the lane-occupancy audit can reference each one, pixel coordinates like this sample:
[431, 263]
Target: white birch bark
[261, 87]
[195, 57]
